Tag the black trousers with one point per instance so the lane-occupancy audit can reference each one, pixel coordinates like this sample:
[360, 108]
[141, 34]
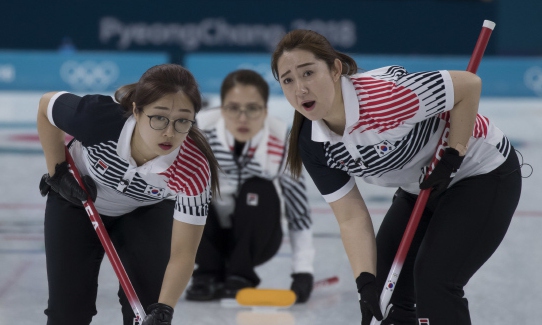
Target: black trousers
[74, 253]
[255, 236]
[457, 234]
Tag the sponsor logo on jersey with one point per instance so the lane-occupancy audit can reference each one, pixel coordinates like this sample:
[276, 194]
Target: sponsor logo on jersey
[423, 321]
[101, 167]
[252, 199]
[154, 191]
[384, 148]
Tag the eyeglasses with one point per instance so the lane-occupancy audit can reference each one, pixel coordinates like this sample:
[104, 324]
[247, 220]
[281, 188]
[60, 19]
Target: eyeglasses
[158, 122]
[252, 111]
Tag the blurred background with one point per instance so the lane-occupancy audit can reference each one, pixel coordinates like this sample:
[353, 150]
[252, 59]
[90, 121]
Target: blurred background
[86, 46]
[96, 46]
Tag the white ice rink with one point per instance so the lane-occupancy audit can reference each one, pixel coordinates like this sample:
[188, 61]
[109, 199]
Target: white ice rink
[507, 290]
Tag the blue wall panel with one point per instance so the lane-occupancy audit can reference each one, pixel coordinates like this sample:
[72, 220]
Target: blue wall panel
[79, 72]
[502, 76]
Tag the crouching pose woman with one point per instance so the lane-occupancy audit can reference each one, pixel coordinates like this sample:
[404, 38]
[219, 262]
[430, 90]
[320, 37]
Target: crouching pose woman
[244, 225]
[151, 175]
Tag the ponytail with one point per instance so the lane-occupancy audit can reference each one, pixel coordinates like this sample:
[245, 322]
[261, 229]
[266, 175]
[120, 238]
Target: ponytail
[125, 97]
[293, 162]
[350, 66]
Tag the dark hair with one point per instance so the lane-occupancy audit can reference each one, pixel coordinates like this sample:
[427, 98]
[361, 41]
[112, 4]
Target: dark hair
[247, 78]
[318, 45]
[159, 81]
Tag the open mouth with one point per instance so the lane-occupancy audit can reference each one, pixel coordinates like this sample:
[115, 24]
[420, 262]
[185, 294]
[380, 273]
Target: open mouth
[308, 105]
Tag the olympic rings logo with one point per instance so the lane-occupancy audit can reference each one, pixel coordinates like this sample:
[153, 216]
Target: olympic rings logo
[89, 75]
[533, 79]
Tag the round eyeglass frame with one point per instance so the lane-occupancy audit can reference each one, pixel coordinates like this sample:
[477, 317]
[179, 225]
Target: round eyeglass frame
[228, 112]
[168, 121]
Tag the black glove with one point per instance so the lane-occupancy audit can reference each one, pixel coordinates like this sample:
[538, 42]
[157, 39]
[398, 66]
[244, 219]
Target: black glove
[65, 184]
[158, 314]
[443, 173]
[302, 286]
[369, 301]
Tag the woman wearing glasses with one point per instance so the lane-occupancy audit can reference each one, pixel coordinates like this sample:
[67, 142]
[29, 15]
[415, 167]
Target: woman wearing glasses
[243, 229]
[150, 174]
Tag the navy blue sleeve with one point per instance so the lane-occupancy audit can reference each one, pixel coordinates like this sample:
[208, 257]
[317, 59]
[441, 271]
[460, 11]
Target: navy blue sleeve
[327, 180]
[90, 119]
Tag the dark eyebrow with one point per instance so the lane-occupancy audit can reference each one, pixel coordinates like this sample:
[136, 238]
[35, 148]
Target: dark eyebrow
[299, 66]
[167, 109]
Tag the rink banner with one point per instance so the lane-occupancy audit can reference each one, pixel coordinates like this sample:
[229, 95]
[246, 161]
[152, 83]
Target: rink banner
[77, 72]
[501, 76]
[180, 27]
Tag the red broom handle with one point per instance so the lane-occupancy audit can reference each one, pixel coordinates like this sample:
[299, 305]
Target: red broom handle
[415, 217]
[112, 255]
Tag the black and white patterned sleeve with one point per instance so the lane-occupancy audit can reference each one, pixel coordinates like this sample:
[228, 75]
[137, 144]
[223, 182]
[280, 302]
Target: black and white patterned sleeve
[190, 177]
[297, 213]
[296, 203]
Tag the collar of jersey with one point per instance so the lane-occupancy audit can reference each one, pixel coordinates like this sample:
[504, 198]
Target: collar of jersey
[320, 131]
[156, 165]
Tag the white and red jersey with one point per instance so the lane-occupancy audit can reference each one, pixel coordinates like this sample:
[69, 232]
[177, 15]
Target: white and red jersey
[101, 149]
[263, 156]
[394, 122]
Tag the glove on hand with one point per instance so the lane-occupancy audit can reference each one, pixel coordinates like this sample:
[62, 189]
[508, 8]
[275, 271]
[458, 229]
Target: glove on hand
[442, 175]
[369, 301]
[65, 184]
[302, 286]
[158, 314]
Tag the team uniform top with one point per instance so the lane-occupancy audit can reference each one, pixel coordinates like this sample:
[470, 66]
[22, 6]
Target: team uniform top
[394, 121]
[263, 156]
[101, 149]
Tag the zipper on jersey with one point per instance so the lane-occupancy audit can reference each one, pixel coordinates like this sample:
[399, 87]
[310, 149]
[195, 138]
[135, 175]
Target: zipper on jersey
[125, 181]
[241, 161]
[122, 186]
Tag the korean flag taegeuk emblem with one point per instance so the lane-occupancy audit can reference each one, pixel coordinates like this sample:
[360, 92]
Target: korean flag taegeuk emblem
[154, 191]
[384, 148]
[101, 167]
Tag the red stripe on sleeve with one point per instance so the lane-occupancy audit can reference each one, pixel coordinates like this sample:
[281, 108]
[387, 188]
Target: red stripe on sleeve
[383, 105]
[190, 172]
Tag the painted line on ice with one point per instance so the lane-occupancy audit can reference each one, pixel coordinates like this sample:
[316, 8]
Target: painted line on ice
[22, 206]
[14, 277]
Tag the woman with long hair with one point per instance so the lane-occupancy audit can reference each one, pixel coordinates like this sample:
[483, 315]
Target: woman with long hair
[151, 175]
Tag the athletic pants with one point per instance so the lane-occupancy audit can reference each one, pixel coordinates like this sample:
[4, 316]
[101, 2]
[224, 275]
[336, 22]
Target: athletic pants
[457, 234]
[255, 236]
[74, 253]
